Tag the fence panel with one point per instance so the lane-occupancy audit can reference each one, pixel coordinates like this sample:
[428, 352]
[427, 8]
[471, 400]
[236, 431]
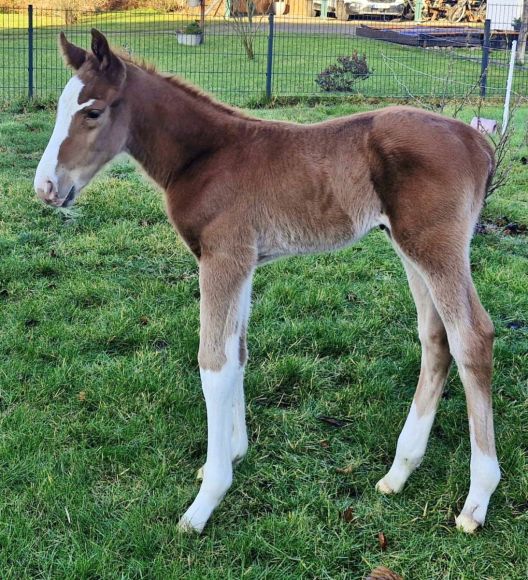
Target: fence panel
[404, 58]
[219, 65]
[14, 80]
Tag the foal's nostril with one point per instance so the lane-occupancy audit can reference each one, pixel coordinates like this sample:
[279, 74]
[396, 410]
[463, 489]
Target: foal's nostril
[47, 192]
[43, 196]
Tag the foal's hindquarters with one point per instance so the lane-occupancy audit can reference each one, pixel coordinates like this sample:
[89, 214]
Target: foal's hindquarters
[428, 203]
[431, 222]
[452, 324]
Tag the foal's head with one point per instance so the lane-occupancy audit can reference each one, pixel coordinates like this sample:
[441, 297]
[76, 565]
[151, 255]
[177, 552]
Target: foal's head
[91, 124]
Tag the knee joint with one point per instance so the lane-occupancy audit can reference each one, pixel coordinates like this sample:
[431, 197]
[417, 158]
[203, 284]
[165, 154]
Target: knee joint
[434, 338]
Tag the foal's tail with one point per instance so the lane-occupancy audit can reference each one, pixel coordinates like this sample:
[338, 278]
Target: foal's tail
[491, 185]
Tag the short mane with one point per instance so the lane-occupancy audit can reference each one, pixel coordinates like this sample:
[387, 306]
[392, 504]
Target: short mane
[183, 85]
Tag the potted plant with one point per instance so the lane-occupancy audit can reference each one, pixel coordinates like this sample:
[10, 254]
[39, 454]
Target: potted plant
[516, 24]
[191, 35]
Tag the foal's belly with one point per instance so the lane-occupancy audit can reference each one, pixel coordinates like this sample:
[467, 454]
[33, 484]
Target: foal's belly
[310, 235]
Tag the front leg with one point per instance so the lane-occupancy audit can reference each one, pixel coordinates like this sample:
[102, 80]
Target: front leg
[223, 286]
[239, 438]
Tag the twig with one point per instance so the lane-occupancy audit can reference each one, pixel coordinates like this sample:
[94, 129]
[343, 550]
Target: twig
[245, 28]
[504, 157]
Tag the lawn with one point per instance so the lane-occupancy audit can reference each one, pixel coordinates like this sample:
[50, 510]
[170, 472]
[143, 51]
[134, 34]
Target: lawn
[302, 49]
[102, 424]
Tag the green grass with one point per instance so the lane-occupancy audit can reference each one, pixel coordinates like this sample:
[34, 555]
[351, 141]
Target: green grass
[220, 65]
[102, 424]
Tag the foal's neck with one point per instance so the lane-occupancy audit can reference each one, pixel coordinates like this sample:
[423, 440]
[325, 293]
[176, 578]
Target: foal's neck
[173, 127]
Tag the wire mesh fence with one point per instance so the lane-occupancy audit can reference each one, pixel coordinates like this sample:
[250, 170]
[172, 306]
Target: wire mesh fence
[290, 52]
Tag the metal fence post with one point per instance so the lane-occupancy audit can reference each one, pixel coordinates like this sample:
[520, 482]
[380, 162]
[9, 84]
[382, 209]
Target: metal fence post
[30, 51]
[269, 64]
[418, 9]
[324, 10]
[485, 57]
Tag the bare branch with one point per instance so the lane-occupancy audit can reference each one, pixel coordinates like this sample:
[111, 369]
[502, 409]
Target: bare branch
[247, 26]
[504, 152]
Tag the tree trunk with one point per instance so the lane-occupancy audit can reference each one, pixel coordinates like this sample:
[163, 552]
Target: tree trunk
[523, 32]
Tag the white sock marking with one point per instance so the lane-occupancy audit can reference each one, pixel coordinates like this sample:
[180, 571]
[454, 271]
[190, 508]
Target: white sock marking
[218, 389]
[239, 440]
[485, 476]
[226, 423]
[410, 450]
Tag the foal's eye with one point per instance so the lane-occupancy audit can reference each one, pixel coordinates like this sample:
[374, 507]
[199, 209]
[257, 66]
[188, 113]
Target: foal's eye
[94, 114]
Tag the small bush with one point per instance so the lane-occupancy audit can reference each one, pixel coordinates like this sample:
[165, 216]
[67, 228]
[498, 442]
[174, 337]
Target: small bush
[192, 28]
[342, 77]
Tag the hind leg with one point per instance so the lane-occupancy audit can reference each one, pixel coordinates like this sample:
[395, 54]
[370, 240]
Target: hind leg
[443, 263]
[435, 364]
[470, 334]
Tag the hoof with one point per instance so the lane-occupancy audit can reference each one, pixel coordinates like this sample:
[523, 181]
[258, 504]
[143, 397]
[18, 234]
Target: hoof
[466, 523]
[383, 487]
[185, 526]
[195, 518]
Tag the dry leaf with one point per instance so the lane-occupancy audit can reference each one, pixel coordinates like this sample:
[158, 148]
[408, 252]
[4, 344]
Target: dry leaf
[382, 573]
[334, 421]
[382, 541]
[82, 396]
[346, 470]
[348, 515]
[324, 443]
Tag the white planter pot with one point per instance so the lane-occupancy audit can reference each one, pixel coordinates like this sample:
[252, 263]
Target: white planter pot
[193, 3]
[189, 39]
[279, 8]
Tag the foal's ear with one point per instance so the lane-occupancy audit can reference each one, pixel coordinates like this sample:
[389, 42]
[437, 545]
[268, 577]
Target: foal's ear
[101, 49]
[73, 55]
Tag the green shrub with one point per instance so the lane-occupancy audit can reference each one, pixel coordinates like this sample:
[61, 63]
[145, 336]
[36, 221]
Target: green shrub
[342, 77]
[192, 28]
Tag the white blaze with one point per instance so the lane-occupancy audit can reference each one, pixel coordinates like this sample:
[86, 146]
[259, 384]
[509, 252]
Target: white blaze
[67, 107]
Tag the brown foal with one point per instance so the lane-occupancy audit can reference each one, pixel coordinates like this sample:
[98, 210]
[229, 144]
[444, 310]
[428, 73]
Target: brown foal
[241, 191]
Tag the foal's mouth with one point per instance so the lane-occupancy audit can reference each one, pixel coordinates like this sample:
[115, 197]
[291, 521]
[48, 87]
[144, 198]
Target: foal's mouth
[70, 198]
